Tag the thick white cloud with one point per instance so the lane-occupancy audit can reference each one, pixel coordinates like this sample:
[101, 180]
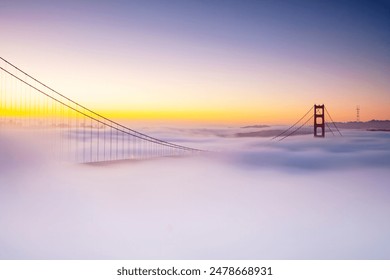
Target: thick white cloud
[302, 198]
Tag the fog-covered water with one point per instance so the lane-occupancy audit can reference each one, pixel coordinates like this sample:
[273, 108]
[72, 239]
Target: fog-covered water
[301, 198]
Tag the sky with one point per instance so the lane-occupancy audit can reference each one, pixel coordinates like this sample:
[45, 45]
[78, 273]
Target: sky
[207, 61]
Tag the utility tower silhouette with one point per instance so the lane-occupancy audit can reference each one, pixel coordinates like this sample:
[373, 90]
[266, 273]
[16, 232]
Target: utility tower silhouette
[358, 113]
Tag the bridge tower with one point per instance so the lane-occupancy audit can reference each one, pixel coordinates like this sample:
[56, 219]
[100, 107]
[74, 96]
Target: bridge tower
[319, 121]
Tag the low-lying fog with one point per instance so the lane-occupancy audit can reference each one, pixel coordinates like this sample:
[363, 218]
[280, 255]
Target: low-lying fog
[302, 198]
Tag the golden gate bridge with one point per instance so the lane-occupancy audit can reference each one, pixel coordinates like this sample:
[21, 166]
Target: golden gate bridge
[318, 127]
[87, 136]
[25, 102]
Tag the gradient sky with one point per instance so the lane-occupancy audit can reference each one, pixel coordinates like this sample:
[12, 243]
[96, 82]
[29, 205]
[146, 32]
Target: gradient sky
[214, 61]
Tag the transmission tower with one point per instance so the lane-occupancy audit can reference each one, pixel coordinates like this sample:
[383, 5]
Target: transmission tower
[358, 113]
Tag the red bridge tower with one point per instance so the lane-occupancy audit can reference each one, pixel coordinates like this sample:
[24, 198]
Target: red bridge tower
[319, 121]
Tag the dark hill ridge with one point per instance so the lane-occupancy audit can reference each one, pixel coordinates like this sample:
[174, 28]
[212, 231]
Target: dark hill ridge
[255, 126]
[373, 125]
[370, 125]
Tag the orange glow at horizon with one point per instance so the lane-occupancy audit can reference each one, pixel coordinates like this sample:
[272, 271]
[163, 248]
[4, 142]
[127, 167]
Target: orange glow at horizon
[271, 112]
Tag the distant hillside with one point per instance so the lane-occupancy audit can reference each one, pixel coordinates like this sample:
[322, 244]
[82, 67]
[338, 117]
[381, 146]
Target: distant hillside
[370, 125]
[256, 126]
[267, 133]
[373, 125]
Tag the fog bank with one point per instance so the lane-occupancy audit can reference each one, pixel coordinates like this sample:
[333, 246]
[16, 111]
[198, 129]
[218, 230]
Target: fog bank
[303, 198]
